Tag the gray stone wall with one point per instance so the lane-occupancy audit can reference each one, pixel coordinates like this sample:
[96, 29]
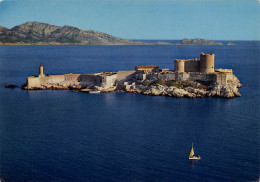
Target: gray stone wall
[167, 76]
[201, 77]
[108, 81]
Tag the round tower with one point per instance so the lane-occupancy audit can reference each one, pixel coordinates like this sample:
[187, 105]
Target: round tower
[207, 62]
[179, 65]
[41, 70]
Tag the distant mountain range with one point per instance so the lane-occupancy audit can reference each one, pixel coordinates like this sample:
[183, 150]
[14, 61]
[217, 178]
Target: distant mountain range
[36, 33]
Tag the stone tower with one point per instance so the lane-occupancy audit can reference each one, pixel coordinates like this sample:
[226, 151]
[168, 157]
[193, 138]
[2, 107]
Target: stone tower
[41, 70]
[178, 65]
[207, 63]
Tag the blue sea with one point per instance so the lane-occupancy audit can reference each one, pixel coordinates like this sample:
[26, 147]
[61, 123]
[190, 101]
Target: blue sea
[64, 136]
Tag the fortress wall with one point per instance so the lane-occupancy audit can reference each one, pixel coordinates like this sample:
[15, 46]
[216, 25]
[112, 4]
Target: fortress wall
[224, 78]
[192, 66]
[230, 76]
[195, 76]
[182, 76]
[33, 82]
[139, 76]
[71, 77]
[64, 80]
[52, 79]
[109, 81]
[152, 76]
[224, 70]
[202, 77]
[221, 78]
[124, 75]
[36, 82]
[147, 68]
[167, 76]
[89, 80]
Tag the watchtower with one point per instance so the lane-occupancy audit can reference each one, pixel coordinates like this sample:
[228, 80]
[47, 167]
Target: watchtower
[179, 65]
[207, 63]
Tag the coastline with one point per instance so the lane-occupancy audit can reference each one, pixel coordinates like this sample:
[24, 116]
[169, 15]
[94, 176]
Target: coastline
[81, 44]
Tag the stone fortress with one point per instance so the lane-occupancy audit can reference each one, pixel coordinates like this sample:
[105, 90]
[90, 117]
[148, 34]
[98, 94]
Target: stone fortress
[203, 69]
[206, 64]
[190, 78]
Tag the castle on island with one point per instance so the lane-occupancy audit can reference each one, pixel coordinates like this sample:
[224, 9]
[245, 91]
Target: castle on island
[184, 70]
[191, 69]
[206, 64]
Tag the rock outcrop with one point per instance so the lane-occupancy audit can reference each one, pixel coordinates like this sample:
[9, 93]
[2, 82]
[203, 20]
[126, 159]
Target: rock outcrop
[198, 42]
[229, 90]
[3, 29]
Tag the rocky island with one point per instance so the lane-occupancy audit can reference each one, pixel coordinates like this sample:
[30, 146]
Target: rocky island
[36, 33]
[190, 78]
[198, 42]
[230, 44]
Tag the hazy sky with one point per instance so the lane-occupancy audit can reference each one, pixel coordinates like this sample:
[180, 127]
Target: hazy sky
[143, 19]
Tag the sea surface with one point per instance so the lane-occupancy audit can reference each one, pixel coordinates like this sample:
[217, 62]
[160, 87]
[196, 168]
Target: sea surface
[64, 136]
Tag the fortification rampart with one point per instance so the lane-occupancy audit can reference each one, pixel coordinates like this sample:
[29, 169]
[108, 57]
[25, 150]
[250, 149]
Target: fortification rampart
[217, 77]
[195, 76]
[33, 82]
[191, 78]
[147, 69]
[185, 70]
[108, 81]
[167, 76]
[52, 80]
[224, 71]
[125, 75]
[103, 79]
[192, 66]
[206, 64]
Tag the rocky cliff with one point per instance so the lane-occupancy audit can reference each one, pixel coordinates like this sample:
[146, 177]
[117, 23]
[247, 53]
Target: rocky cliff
[3, 29]
[193, 90]
[37, 33]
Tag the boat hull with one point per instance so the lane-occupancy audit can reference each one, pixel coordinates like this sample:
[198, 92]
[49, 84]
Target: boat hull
[10, 86]
[195, 158]
[94, 92]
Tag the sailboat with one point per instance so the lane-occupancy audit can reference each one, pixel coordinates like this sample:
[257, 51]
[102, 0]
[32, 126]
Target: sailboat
[192, 156]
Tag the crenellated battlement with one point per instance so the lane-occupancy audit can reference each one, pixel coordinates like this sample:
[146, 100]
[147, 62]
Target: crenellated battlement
[204, 65]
